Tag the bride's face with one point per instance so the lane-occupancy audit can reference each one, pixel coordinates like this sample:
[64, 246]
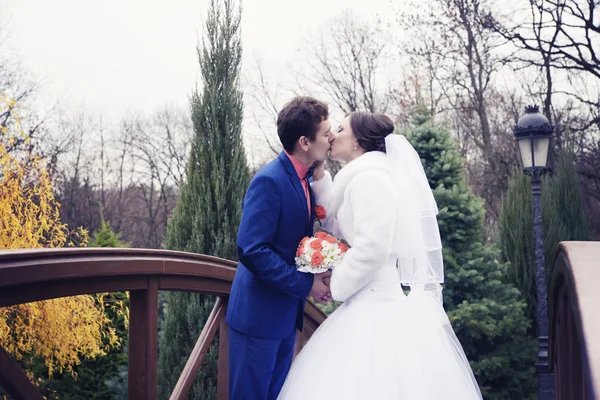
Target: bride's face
[343, 146]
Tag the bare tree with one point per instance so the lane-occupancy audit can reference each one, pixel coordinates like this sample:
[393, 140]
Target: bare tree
[61, 139]
[345, 62]
[73, 172]
[450, 39]
[460, 60]
[565, 35]
[147, 164]
[418, 87]
[265, 103]
[561, 39]
[121, 165]
[17, 91]
[169, 136]
[160, 151]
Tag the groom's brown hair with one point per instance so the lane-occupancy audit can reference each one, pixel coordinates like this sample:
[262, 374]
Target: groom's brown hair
[300, 117]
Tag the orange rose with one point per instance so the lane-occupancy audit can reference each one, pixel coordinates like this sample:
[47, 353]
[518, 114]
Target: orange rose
[300, 251]
[343, 247]
[316, 245]
[316, 259]
[306, 239]
[330, 239]
[321, 235]
[320, 212]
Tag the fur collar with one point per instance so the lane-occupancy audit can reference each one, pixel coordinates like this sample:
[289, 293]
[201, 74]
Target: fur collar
[368, 162]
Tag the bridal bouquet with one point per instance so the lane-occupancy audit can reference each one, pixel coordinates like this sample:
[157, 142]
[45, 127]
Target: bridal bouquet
[319, 253]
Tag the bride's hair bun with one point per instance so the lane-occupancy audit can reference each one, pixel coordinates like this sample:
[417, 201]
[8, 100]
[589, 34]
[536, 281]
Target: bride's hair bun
[370, 129]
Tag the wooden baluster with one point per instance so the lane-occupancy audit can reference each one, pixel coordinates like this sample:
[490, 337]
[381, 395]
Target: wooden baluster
[143, 342]
[14, 380]
[200, 349]
[223, 379]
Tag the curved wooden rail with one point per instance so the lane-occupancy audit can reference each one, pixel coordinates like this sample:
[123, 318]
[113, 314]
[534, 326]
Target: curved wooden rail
[40, 274]
[574, 341]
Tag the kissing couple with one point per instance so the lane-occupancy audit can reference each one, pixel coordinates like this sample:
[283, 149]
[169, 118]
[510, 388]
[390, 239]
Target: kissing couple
[381, 343]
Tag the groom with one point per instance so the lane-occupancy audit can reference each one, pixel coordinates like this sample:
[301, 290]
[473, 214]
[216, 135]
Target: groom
[268, 293]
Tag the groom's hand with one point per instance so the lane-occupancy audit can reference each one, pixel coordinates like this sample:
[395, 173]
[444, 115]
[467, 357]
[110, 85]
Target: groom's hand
[319, 171]
[320, 287]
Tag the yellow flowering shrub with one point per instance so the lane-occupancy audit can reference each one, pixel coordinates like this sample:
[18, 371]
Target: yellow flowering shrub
[60, 331]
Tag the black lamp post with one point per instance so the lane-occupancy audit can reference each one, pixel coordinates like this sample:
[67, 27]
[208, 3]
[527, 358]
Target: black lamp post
[533, 132]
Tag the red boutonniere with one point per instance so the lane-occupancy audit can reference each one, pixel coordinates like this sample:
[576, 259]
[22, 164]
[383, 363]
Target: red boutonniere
[321, 214]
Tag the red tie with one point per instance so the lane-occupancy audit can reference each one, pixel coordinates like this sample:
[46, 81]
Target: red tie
[304, 182]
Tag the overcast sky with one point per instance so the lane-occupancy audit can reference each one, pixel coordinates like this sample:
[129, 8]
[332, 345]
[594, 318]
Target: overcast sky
[116, 55]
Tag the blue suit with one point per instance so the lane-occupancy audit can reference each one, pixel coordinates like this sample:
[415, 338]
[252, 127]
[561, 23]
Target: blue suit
[268, 295]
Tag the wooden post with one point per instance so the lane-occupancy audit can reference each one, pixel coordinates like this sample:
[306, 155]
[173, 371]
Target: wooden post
[143, 342]
[223, 379]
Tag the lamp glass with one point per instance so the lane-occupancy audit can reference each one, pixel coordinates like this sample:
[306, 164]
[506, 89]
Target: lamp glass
[534, 151]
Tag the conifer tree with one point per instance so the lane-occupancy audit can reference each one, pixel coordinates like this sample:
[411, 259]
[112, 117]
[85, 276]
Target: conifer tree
[486, 312]
[563, 219]
[208, 212]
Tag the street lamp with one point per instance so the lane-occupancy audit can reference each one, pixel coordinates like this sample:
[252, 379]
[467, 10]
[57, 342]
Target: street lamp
[533, 132]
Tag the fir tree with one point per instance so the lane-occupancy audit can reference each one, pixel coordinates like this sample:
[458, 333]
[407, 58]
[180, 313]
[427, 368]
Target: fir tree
[106, 237]
[487, 313]
[208, 212]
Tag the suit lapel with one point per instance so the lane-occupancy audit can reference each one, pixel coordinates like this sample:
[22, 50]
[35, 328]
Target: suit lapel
[300, 191]
[295, 180]
[311, 219]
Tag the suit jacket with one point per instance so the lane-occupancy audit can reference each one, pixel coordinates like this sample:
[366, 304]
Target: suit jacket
[268, 293]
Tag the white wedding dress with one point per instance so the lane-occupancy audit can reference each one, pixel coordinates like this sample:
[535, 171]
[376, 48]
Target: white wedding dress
[380, 343]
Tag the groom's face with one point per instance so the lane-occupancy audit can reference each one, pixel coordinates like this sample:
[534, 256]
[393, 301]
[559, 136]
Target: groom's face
[318, 149]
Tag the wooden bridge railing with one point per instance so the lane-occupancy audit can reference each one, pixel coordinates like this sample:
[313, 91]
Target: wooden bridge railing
[574, 337]
[40, 274]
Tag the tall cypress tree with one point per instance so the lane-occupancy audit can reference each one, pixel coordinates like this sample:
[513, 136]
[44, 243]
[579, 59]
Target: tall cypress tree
[516, 240]
[487, 313]
[208, 212]
[562, 216]
[562, 207]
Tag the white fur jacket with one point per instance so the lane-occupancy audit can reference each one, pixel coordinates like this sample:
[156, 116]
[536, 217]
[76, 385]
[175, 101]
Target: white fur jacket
[361, 206]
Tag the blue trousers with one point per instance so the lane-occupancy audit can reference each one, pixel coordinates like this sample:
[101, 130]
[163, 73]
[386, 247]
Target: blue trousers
[258, 367]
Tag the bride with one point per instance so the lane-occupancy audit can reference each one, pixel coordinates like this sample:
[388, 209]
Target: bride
[381, 343]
